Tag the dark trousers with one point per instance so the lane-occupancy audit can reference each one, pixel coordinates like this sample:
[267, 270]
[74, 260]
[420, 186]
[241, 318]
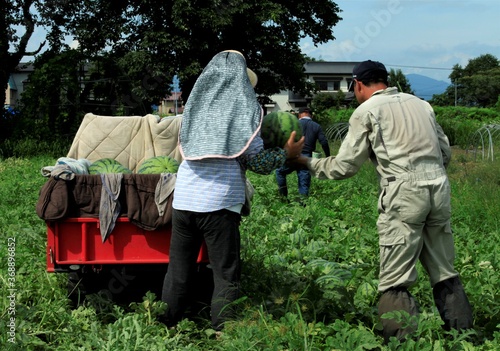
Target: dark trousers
[220, 230]
[303, 179]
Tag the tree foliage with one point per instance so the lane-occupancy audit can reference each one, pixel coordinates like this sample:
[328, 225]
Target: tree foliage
[51, 104]
[180, 37]
[475, 85]
[399, 80]
[134, 48]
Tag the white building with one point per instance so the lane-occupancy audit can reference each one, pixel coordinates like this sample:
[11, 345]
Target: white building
[17, 82]
[329, 77]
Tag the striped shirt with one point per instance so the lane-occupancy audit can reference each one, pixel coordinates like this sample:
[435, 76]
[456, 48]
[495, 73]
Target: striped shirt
[213, 184]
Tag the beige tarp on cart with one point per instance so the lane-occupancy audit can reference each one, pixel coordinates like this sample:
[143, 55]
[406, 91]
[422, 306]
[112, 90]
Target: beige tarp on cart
[127, 139]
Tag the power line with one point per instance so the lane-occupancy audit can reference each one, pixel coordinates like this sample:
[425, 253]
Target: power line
[438, 68]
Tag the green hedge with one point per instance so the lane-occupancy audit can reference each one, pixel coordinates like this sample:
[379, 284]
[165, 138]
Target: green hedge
[459, 123]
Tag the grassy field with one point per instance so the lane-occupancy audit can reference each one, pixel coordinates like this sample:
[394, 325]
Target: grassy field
[309, 273]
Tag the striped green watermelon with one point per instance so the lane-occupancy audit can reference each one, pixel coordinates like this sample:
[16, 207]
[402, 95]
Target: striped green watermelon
[277, 127]
[108, 165]
[158, 165]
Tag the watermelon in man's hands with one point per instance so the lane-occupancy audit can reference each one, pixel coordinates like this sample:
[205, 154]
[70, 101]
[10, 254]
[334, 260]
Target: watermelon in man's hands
[158, 165]
[277, 127]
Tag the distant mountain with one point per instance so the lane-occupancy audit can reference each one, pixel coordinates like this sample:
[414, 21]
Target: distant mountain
[424, 87]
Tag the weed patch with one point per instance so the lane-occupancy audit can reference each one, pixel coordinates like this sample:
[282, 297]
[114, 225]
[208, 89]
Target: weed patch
[310, 273]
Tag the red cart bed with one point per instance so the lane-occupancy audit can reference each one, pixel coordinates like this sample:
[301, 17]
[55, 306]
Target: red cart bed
[129, 263]
[77, 241]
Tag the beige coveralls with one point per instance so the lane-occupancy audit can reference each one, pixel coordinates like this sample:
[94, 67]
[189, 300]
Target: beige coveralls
[400, 134]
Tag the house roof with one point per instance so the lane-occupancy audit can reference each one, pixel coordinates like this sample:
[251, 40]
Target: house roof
[329, 67]
[25, 67]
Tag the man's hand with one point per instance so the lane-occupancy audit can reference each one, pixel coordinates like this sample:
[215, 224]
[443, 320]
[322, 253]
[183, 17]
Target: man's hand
[292, 148]
[299, 162]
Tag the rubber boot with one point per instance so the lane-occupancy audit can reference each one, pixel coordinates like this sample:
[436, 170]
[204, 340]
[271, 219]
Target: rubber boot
[283, 191]
[397, 299]
[453, 304]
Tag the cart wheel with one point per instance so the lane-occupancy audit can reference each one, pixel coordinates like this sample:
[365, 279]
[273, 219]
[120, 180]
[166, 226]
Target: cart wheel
[80, 284]
[76, 289]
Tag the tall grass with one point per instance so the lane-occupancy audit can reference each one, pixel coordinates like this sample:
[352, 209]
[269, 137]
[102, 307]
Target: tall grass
[29, 147]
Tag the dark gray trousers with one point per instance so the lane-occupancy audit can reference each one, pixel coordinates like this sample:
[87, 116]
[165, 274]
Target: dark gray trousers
[220, 231]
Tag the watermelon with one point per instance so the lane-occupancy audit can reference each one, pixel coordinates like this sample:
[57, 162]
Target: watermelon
[277, 127]
[108, 165]
[158, 165]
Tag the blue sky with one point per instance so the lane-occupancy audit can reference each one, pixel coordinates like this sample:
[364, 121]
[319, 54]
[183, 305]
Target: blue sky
[413, 34]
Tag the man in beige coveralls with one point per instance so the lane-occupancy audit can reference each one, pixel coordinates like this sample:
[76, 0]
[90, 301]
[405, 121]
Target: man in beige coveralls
[400, 135]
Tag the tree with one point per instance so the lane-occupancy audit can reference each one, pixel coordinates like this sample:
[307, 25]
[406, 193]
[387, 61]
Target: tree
[180, 37]
[66, 85]
[51, 104]
[132, 49]
[477, 84]
[399, 80]
[15, 18]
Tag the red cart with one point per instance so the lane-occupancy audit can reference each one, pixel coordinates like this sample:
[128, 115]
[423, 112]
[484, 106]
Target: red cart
[132, 260]
[129, 263]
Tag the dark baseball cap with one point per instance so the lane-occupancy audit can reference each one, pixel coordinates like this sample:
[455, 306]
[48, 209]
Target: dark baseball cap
[304, 109]
[367, 70]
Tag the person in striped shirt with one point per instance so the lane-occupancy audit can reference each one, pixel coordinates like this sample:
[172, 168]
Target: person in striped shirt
[219, 140]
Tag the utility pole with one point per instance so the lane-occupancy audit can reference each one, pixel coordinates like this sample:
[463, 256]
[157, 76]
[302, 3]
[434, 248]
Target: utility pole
[455, 81]
[175, 89]
[175, 103]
